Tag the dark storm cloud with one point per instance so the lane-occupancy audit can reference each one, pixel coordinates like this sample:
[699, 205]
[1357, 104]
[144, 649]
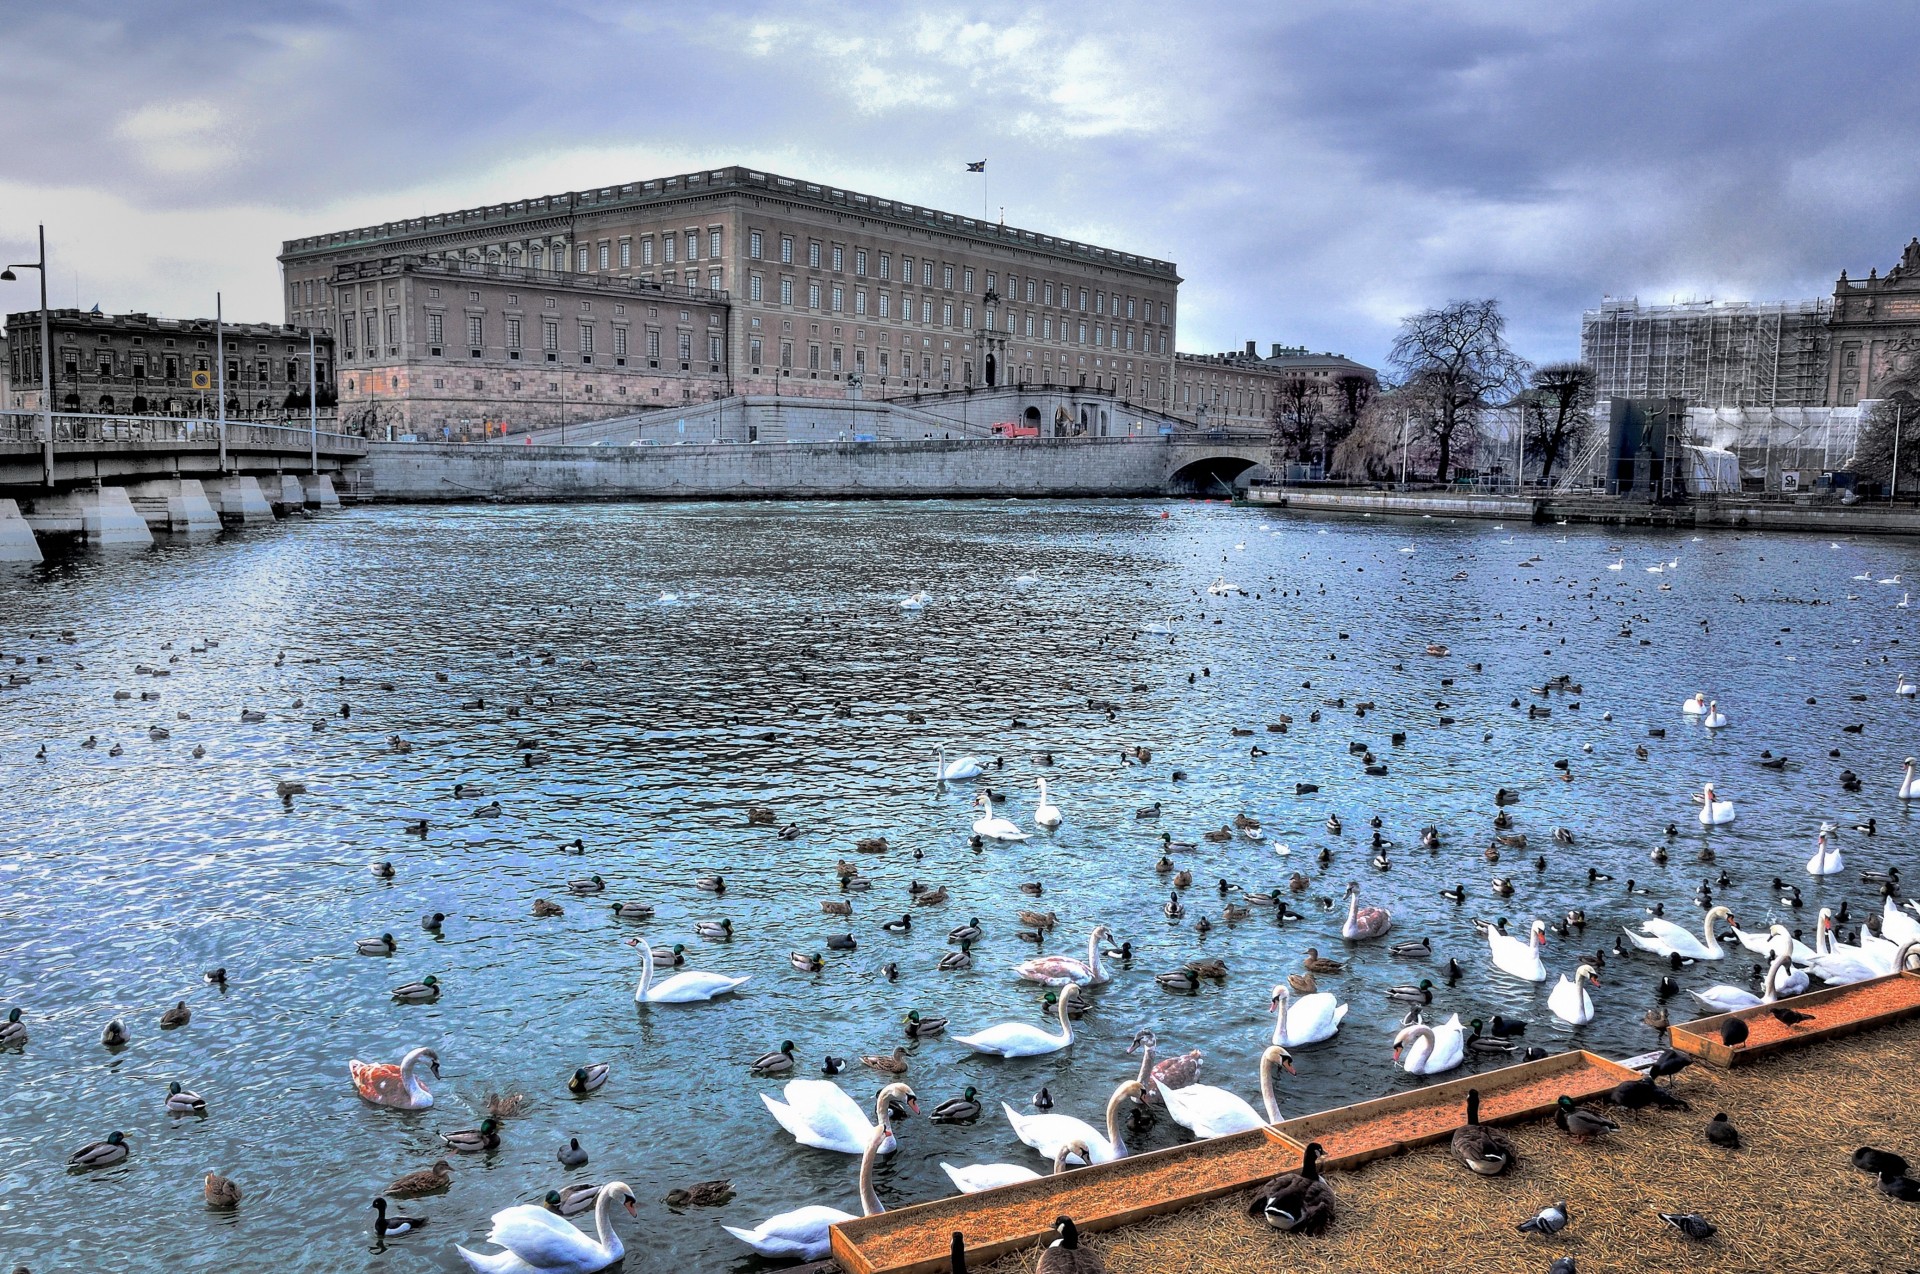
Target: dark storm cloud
[1316, 170]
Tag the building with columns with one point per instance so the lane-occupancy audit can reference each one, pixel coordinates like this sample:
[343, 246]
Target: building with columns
[728, 280]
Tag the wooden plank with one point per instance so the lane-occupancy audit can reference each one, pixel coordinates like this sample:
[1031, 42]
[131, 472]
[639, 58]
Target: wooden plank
[1837, 1011]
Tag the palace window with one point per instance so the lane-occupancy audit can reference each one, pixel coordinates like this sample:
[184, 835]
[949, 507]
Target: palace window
[813, 294]
[626, 253]
[839, 298]
[838, 258]
[886, 265]
[813, 254]
[786, 249]
[686, 346]
[667, 248]
[713, 243]
[754, 244]
[860, 263]
[753, 352]
[786, 291]
[883, 299]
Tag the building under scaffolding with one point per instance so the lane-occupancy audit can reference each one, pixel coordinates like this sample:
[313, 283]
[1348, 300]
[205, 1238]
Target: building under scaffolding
[1711, 353]
[1780, 449]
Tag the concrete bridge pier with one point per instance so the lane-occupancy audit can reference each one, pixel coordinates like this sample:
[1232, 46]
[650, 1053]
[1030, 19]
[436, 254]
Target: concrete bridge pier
[100, 515]
[174, 504]
[16, 537]
[284, 492]
[240, 501]
[319, 491]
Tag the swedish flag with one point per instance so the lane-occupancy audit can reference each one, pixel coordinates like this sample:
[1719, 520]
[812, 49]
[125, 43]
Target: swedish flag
[979, 167]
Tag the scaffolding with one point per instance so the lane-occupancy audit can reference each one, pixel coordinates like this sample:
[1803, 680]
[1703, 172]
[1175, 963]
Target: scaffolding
[1711, 353]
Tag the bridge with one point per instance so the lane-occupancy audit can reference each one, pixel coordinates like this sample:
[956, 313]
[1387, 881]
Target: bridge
[116, 479]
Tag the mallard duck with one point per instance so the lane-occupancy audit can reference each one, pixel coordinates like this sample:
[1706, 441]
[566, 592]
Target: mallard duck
[761, 816]
[425, 991]
[954, 961]
[182, 1102]
[1182, 879]
[425, 1181]
[587, 884]
[1220, 835]
[871, 845]
[385, 1225]
[856, 884]
[1163, 867]
[721, 930]
[384, 945]
[1032, 888]
[1042, 920]
[632, 911]
[383, 869]
[1302, 983]
[672, 957]
[887, 1064]
[903, 925]
[1317, 963]
[1209, 967]
[1298, 883]
[470, 1141]
[1182, 979]
[115, 1034]
[544, 907]
[1486, 1151]
[931, 897]
[1169, 845]
[1232, 912]
[1333, 824]
[968, 932]
[586, 1079]
[701, 1194]
[789, 832]
[178, 1015]
[1414, 950]
[571, 1200]
[711, 884]
[101, 1154]
[1050, 1005]
[572, 1155]
[836, 907]
[221, 1192]
[1478, 1043]
[921, 1027]
[778, 1062]
[1174, 908]
[806, 963]
[1421, 994]
[13, 1032]
[1584, 1124]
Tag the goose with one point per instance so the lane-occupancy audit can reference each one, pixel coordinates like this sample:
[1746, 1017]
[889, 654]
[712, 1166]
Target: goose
[1296, 1202]
[991, 1176]
[588, 1078]
[180, 1101]
[1210, 1112]
[957, 770]
[1018, 1039]
[1521, 959]
[821, 1115]
[991, 826]
[1569, 1001]
[1060, 970]
[1487, 1152]
[1826, 860]
[1428, 1051]
[425, 991]
[538, 1242]
[1047, 1133]
[396, 1084]
[1363, 922]
[1714, 812]
[687, 987]
[1714, 719]
[1665, 938]
[1065, 1255]
[1046, 814]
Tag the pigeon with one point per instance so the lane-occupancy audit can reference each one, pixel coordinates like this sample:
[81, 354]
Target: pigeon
[1691, 1224]
[1723, 1134]
[1549, 1220]
[1563, 1266]
[1867, 1159]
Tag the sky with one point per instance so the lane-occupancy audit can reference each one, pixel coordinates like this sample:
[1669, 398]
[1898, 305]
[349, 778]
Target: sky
[1316, 170]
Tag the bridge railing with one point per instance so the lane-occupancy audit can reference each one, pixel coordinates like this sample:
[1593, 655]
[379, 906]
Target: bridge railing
[85, 427]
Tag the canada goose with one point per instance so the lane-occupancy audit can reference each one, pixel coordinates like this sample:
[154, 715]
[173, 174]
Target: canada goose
[1487, 1152]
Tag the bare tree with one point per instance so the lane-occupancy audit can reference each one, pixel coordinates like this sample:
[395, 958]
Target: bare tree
[1456, 358]
[1373, 447]
[1296, 414]
[1892, 424]
[1352, 393]
[1557, 408]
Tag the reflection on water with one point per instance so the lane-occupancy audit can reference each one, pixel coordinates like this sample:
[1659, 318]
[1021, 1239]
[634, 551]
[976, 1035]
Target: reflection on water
[786, 673]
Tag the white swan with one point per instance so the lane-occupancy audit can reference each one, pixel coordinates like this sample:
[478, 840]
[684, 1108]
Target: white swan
[1664, 938]
[1059, 970]
[1019, 1039]
[688, 987]
[1909, 786]
[1307, 1020]
[1896, 926]
[1220, 587]
[538, 1242]
[1714, 812]
[1210, 1112]
[821, 1115]
[1906, 688]
[1521, 959]
[1696, 706]
[1046, 814]
[806, 1234]
[1826, 860]
[1841, 962]
[1363, 922]
[958, 769]
[991, 826]
[991, 1176]
[1047, 1133]
[1762, 944]
[1715, 719]
[1732, 999]
[1570, 1001]
[914, 601]
[1430, 1052]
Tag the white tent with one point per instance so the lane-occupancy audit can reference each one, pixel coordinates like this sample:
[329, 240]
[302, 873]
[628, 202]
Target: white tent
[1715, 471]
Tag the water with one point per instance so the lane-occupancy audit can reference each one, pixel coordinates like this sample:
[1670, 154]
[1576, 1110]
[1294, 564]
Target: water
[785, 674]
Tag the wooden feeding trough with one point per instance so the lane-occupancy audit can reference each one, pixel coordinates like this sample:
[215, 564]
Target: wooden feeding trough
[1835, 1011]
[1353, 1135]
[918, 1239]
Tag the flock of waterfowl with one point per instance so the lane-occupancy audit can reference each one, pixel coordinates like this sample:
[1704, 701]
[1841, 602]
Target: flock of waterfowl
[1321, 891]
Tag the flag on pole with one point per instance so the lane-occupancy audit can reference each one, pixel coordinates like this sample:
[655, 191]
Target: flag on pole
[979, 167]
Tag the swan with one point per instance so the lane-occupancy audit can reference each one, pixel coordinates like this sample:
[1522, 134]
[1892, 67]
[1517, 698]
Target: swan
[958, 769]
[1059, 970]
[991, 1176]
[1896, 926]
[1826, 859]
[991, 826]
[1209, 1112]
[1220, 587]
[687, 987]
[1429, 1051]
[538, 1242]
[1047, 1133]
[1664, 938]
[1308, 1020]
[1521, 959]
[1909, 786]
[1761, 944]
[916, 601]
[806, 1234]
[1906, 688]
[1363, 922]
[1732, 999]
[1842, 962]
[1714, 811]
[821, 1115]
[1046, 814]
[1696, 706]
[1019, 1039]
[1570, 1001]
[385, 1084]
[1715, 719]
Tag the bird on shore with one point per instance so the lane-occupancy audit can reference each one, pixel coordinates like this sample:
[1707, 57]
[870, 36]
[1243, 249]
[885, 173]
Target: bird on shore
[1065, 1255]
[1691, 1224]
[1584, 1124]
[1549, 1220]
[1722, 1133]
[1487, 1152]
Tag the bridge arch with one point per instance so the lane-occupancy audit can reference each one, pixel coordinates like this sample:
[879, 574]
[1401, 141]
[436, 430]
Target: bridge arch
[1217, 473]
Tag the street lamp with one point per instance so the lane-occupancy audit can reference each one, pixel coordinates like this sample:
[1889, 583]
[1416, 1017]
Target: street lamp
[46, 350]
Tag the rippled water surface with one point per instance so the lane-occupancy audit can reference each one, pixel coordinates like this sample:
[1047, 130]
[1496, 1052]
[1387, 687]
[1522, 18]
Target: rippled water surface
[785, 674]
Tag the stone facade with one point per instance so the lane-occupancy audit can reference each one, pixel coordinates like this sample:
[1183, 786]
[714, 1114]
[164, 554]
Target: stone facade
[135, 364]
[1876, 333]
[1239, 389]
[816, 287]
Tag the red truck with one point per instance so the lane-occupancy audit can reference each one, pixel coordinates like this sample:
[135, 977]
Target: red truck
[1014, 429]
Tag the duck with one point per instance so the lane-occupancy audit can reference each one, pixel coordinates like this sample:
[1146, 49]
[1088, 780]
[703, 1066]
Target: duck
[931, 897]
[180, 1101]
[953, 961]
[778, 1062]
[1521, 959]
[387, 1225]
[687, 987]
[572, 1155]
[1296, 1202]
[903, 925]
[588, 1078]
[806, 963]
[894, 1063]
[701, 1194]
[396, 1084]
[1420, 1049]
[13, 1032]
[1333, 824]
[1569, 1001]
[1584, 1124]
[1417, 949]
[473, 1141]
[963, 1109]
[1173, 908]
[919, 1027]
[547, 907]
[384, 945]
[1314, 962]
[587, 884]
[1479, 1044]
[1412, 994]
[425, 991]
[1456, 894]
[536, 1239]
[177, 1016]
[1487, 1152]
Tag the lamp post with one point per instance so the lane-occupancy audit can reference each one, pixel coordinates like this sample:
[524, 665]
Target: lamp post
[313, 407]
[46, 352]
[1405, 421]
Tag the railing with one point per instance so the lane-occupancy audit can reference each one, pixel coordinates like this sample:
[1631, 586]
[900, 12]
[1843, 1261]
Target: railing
[76, 427]
[353, 270]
